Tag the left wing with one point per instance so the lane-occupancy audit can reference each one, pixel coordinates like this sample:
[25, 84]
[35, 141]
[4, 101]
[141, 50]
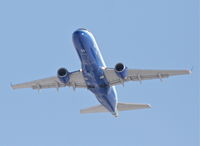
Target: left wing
[76, 80]
[139, 75]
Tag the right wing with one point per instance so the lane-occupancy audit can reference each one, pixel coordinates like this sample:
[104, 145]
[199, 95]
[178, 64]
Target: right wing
[139, 75]
[76, 81]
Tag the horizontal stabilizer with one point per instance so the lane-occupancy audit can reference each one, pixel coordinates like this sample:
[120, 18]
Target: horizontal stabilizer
[94, 109]
[120, 107]
[131, 106]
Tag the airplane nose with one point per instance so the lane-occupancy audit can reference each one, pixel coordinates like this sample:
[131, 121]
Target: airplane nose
[82, 29]
[79, 32]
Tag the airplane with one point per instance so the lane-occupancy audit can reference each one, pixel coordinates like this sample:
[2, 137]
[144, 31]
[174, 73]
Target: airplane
[96, 77]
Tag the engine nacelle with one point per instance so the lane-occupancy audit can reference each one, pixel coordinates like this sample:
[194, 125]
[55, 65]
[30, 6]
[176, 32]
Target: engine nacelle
[63, 75]
[121, 70]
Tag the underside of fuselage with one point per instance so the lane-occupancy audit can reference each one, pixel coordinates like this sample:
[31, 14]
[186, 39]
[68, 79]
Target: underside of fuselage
[92, 64]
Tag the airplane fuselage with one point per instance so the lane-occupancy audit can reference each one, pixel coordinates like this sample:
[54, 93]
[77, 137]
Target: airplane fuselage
[96, 77]
[92, 68]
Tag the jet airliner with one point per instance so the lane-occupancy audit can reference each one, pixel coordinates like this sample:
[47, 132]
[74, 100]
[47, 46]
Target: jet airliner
[99, 79]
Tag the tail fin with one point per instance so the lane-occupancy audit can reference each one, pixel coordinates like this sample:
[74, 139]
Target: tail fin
[120, 107]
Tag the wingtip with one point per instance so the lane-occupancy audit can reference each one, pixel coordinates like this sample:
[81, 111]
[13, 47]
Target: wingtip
[189, 71]
[12, 86]
[149, 106]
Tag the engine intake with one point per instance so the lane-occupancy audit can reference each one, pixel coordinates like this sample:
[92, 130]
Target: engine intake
[63, 75]
[121, 70]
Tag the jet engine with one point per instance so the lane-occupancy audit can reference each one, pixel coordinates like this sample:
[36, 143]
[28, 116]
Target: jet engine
[63, 75]
[121, 70]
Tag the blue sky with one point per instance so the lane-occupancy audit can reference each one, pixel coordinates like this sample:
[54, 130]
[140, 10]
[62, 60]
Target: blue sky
[36, 40]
